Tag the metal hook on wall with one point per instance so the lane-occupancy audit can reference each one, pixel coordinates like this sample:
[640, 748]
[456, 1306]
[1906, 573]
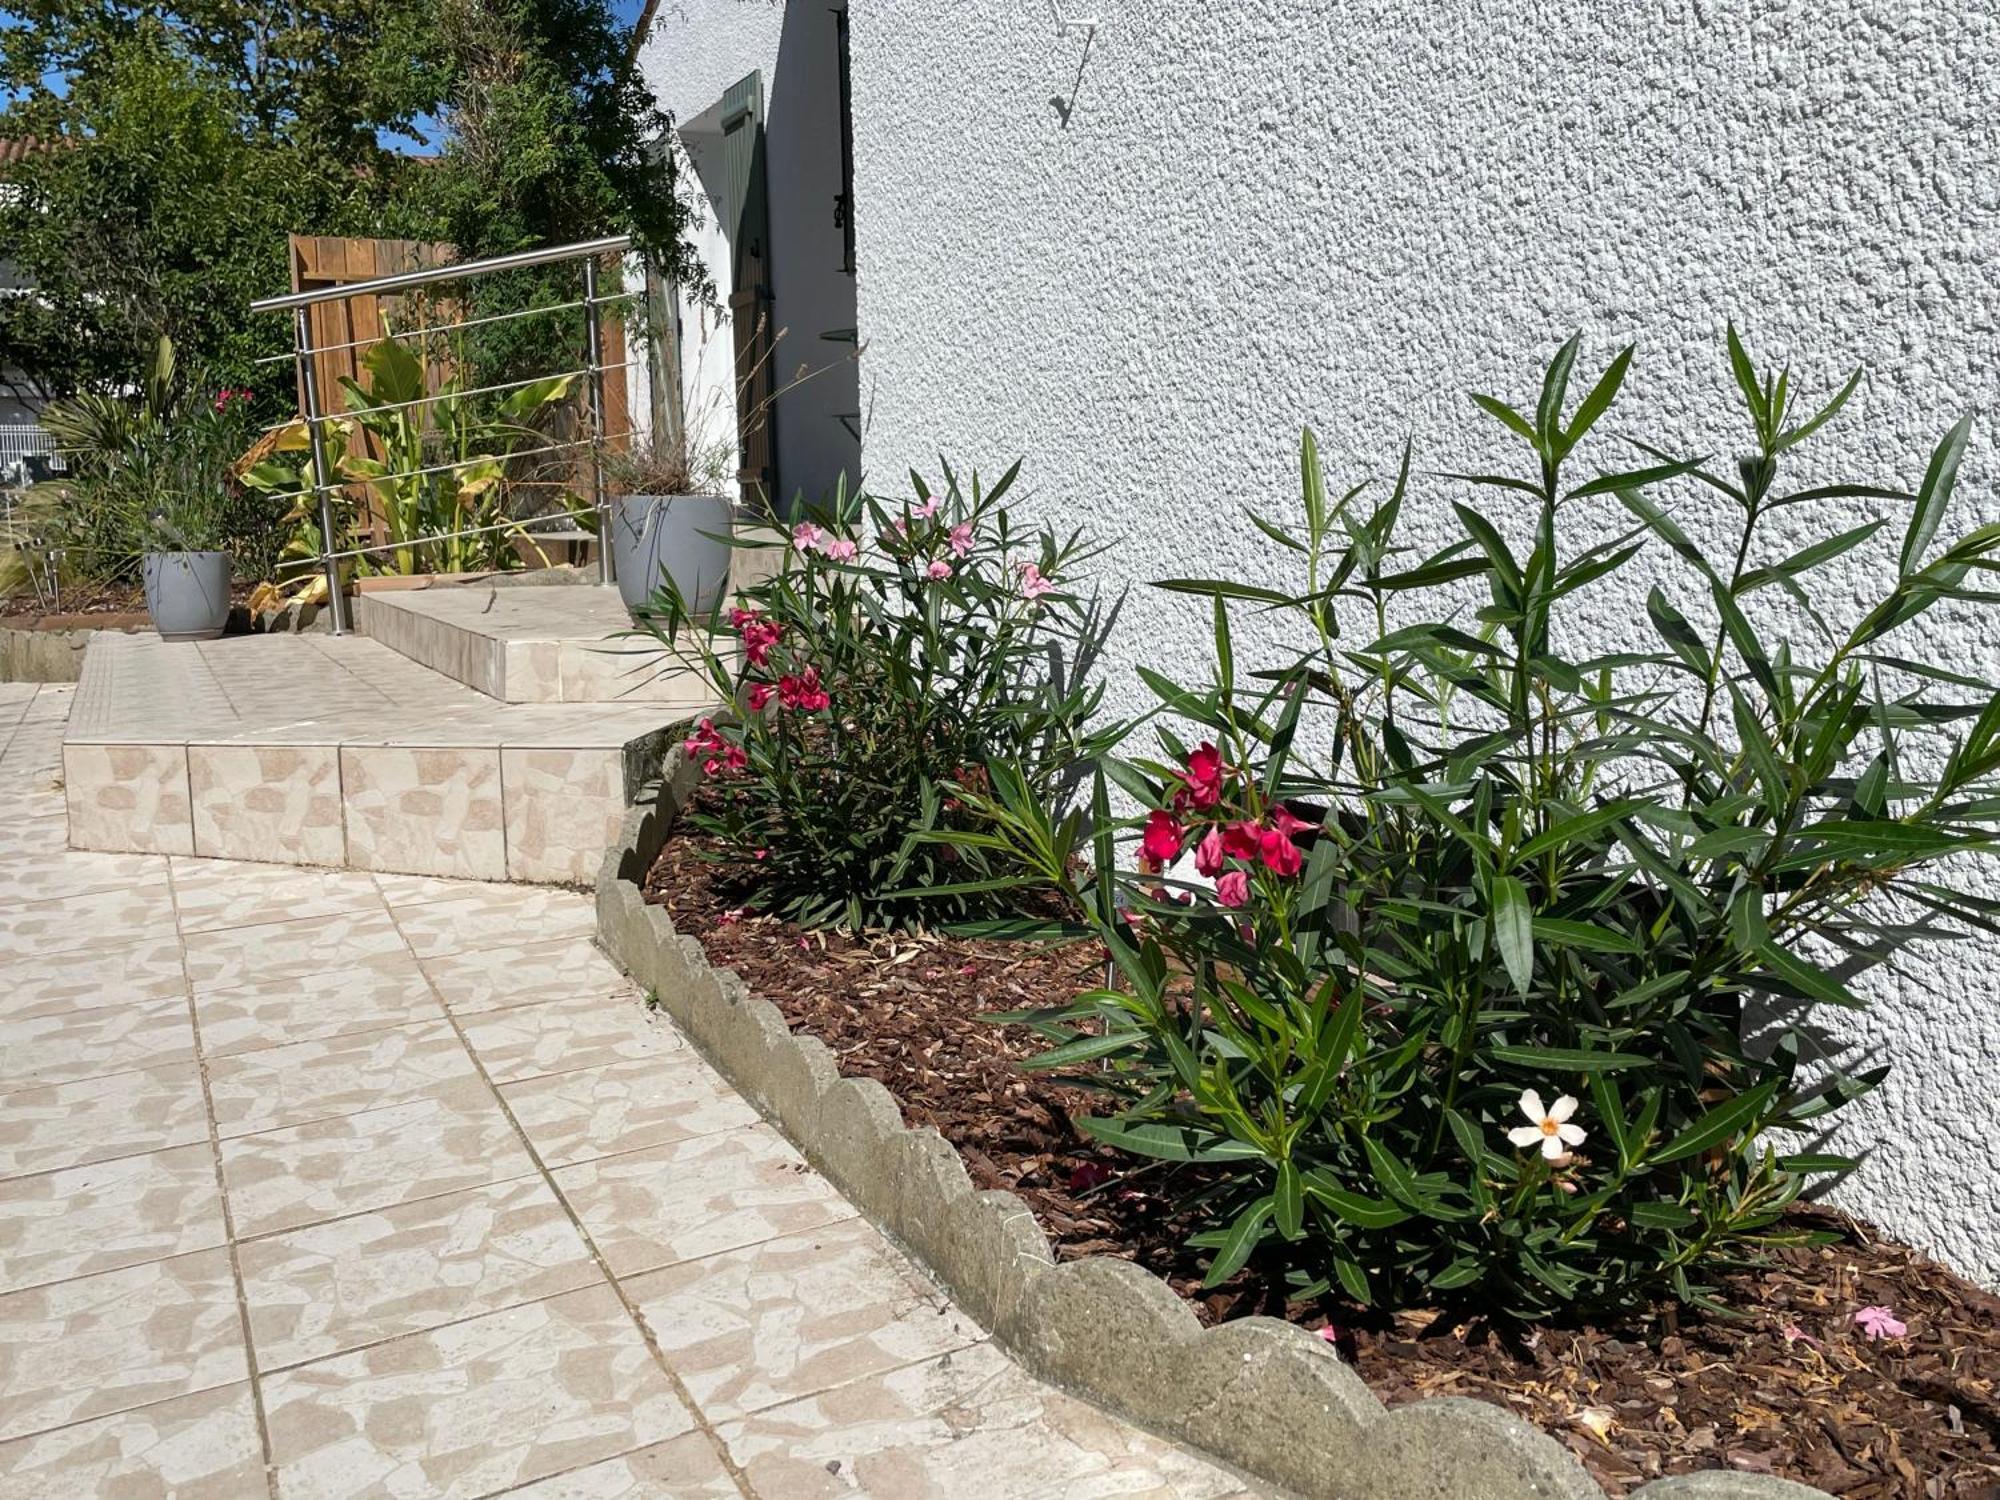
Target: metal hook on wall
[1065, 24]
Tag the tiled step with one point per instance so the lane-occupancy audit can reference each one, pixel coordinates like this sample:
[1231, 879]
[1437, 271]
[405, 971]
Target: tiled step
[322, 750]
[554, 643]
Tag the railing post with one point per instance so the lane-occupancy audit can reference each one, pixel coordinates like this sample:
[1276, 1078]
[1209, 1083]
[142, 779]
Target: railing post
[322, 479]
[594, 344]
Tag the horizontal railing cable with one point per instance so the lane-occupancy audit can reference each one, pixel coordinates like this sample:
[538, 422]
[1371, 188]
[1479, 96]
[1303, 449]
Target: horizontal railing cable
[436, 328]
[521, 524]
[479, 390]
[465, 270]
[463, 463]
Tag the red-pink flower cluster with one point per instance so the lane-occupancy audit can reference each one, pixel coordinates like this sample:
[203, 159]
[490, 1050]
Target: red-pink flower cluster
[759, 634]
[802, 693]
[1269, 841]
[718, 755]
[224, 396]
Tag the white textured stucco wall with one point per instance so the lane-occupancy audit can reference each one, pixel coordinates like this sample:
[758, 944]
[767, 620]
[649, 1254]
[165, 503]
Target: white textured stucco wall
[1260, 214]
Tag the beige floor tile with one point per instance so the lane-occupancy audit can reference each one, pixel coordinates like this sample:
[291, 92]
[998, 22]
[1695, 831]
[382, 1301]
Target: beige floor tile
[286, 1178]
[83, 1220]
[697, 1197]
[564, 808]
[687, 1468]
[424, 811]
[42, 928]
[500, 915]
[333, 1287]
[114, 972]
[211, 893]
[81, 1349]
[38, 878]
[128, 798]
[96, 1119]
[366, 995]
[268, 802]
[53, 1047]
[199, 1447]
[571, 1117]
[966, 1423]
[773, 1322]
[277, 1087]
[237, 955]
[561, 1036]
[473, 1408]
[524, 973]
[420, 890]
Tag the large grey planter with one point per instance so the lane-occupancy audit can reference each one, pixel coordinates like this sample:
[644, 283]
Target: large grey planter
[675, 535]
[187, 594]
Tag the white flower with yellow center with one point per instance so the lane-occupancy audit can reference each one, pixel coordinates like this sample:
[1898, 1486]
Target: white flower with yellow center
[1551, 1129]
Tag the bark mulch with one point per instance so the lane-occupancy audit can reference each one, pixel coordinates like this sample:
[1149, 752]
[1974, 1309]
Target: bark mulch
[1791, 1386]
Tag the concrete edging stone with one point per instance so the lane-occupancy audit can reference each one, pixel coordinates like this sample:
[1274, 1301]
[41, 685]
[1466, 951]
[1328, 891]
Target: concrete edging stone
[1258, 1393]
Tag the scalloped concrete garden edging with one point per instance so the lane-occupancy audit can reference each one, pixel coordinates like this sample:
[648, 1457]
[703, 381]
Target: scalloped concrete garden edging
[1259, 1393]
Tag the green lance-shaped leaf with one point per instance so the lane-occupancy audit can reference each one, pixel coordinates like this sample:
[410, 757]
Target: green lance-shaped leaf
[1934, 495]
[1513, 929]
[1723, 1122]
[1241, 1242]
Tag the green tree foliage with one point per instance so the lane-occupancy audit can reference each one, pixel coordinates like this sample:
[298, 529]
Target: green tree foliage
[185, 142]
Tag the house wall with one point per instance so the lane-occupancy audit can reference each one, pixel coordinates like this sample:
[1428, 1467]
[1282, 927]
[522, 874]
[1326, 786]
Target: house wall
[695, 50]
[1144, 262]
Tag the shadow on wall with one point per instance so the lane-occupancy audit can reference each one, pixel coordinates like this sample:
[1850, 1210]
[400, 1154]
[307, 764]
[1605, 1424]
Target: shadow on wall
[815, 370]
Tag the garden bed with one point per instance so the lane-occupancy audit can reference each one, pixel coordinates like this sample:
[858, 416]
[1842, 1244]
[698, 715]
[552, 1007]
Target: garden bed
[1792, 1388]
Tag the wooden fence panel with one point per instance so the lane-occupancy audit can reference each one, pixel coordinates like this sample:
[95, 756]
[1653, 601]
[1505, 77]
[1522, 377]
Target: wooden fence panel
[343, 327]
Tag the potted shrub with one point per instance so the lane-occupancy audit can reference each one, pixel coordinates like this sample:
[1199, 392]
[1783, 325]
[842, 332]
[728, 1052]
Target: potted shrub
[670, 519]
[150, 496]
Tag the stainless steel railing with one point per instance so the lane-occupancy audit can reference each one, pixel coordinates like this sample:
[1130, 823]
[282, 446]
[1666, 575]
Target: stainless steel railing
[306, 353]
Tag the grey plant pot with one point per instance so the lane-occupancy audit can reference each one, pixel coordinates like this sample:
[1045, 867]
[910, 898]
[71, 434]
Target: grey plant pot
[187, 594]
[675, 535]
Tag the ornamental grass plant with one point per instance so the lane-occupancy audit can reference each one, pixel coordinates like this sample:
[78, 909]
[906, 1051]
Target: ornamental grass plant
[1446, 934]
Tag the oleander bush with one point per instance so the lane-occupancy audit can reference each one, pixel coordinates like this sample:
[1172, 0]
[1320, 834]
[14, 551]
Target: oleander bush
[1445, 933]
[902, 649]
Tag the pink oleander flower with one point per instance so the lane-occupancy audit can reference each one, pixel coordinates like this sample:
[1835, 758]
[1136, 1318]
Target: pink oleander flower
[759, 636]
[760, 695]
[806, 536]
[1204, 775]
[1033, 585]
[938, 571]
[901, 525]
[960, 539]
[1209, 854]
[1881, 1323]
[928, 509]
[1162, 841]
[1233, 889]
[1549, 1128]
[1291, 827]
[1243, 841]
[840, 549]
[1280, 855]
[705, 740]
[802, 693]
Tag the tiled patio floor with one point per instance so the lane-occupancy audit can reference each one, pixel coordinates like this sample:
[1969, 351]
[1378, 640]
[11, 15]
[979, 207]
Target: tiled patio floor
[318, 1185]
